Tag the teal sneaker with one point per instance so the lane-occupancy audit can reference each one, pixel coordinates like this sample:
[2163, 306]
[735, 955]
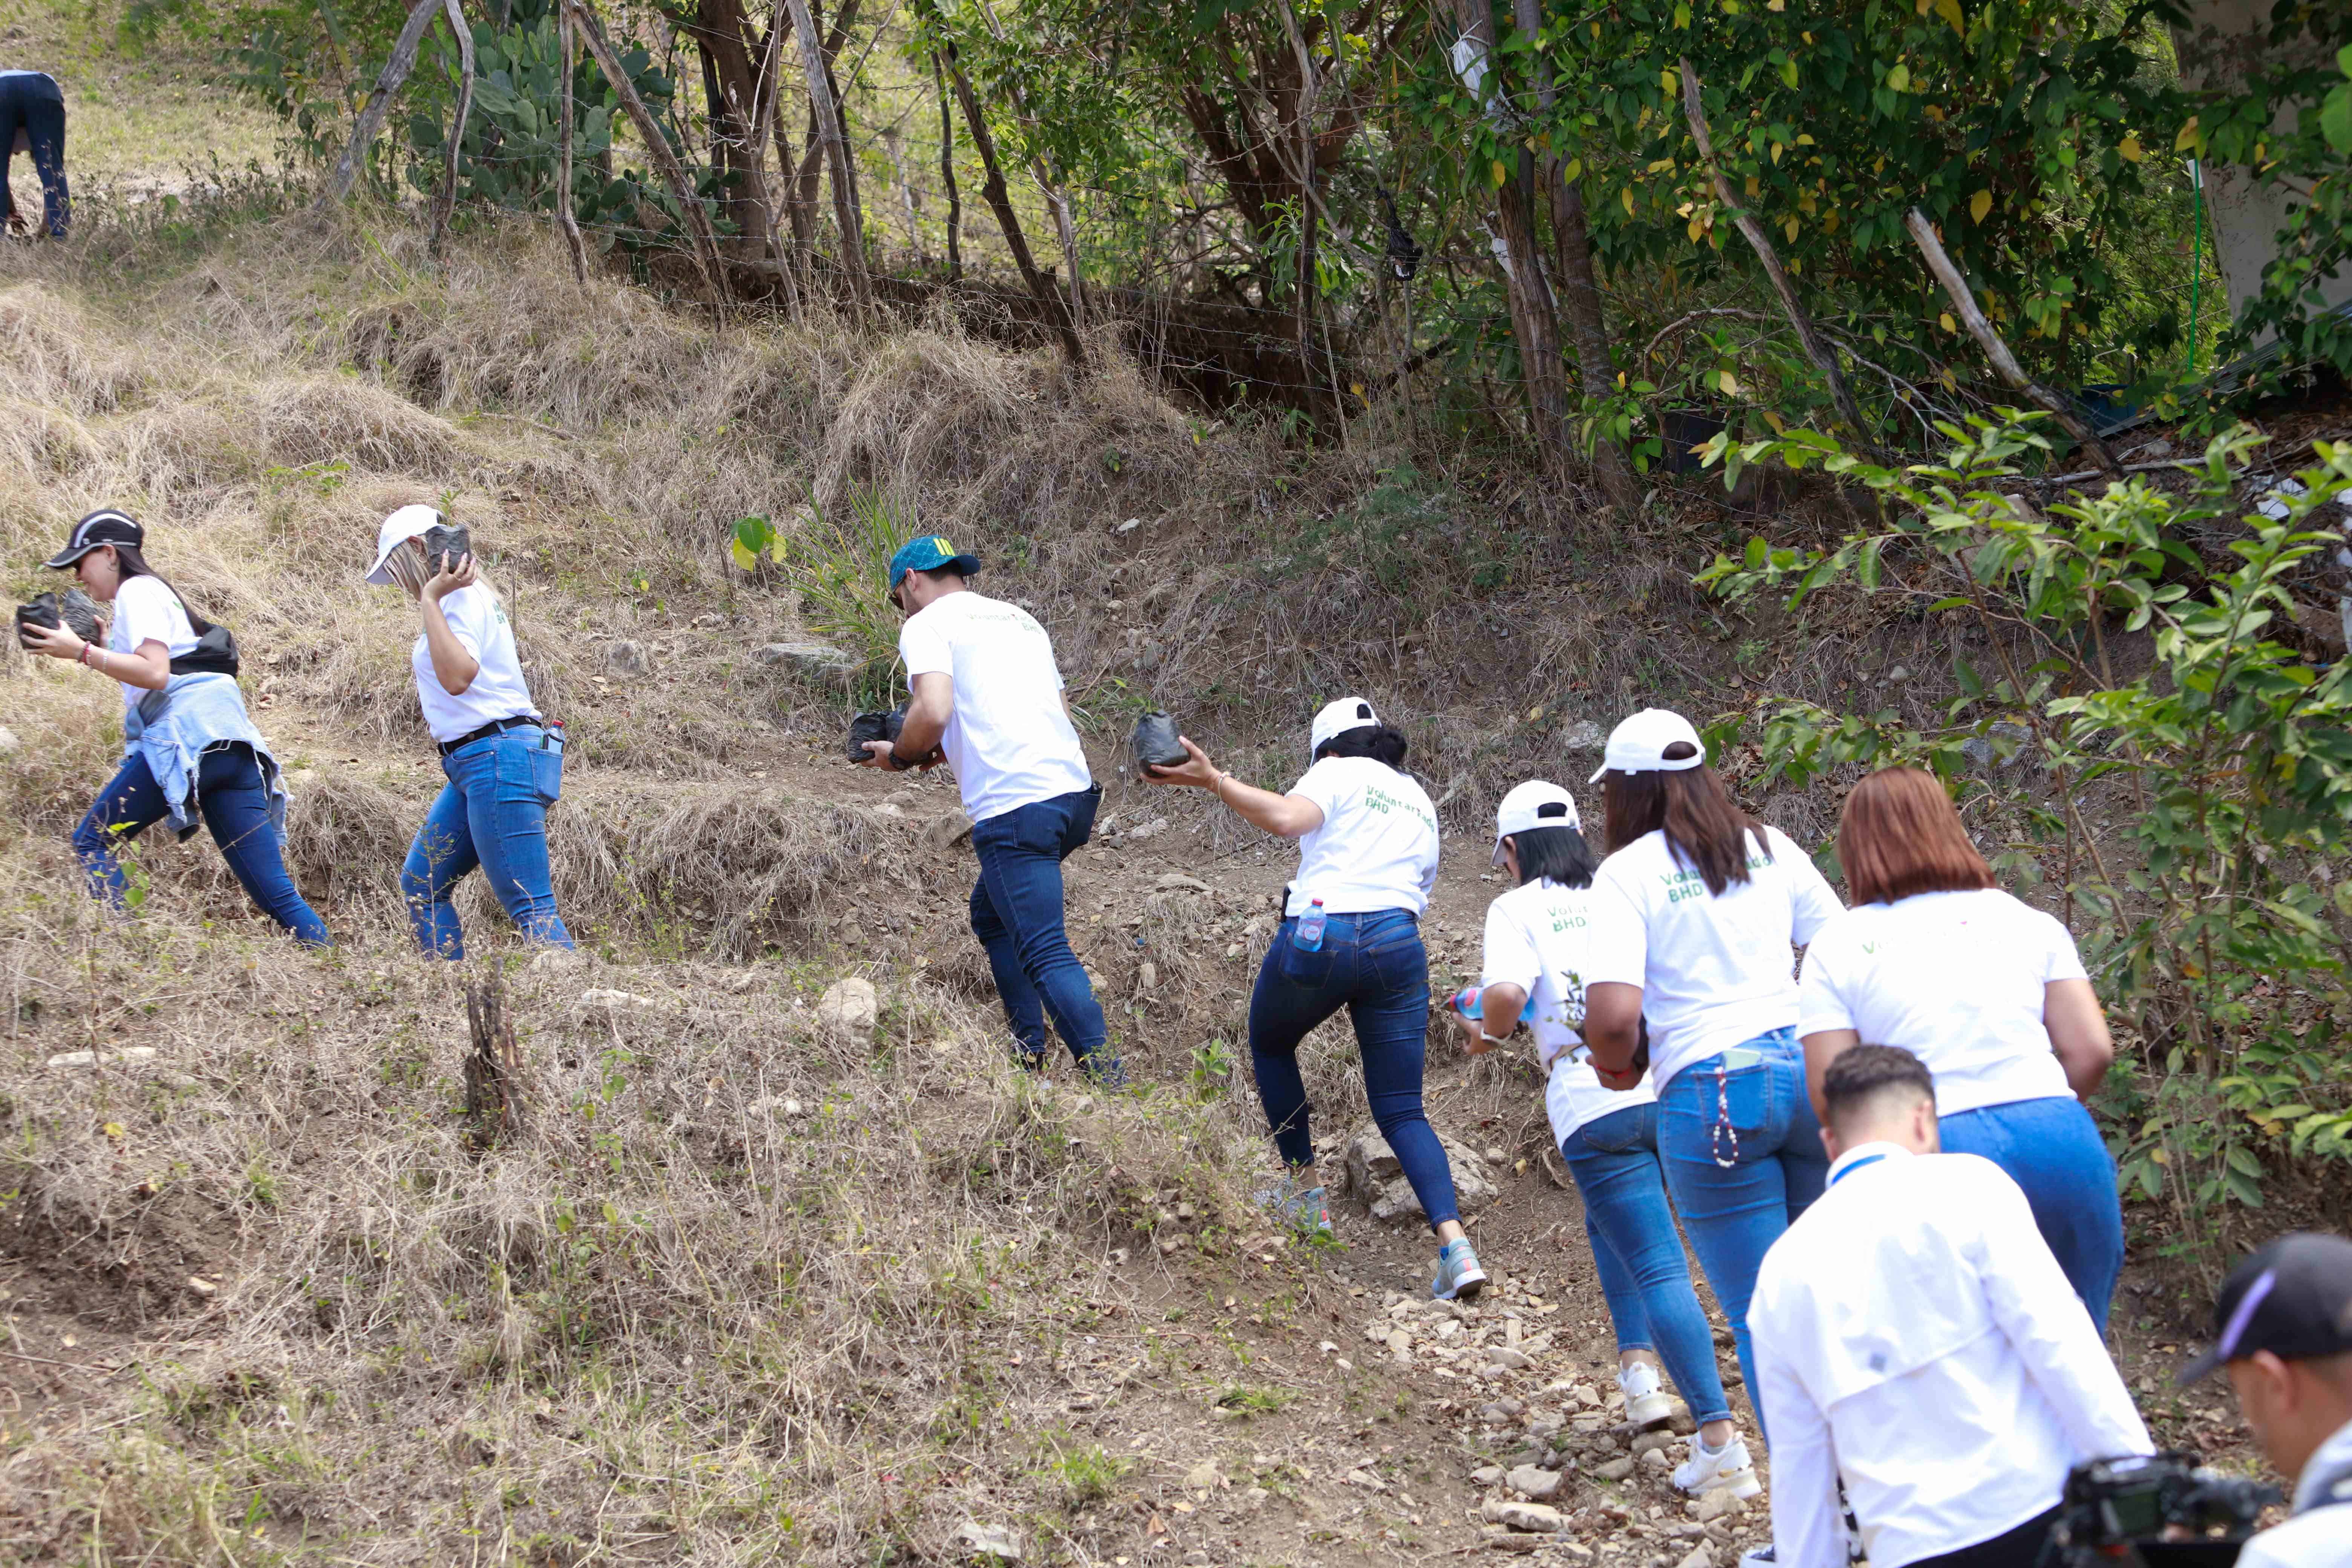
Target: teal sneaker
[1303, 1209]
[1459, 1277]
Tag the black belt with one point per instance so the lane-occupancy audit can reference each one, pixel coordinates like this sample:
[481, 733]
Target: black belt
[495, 727]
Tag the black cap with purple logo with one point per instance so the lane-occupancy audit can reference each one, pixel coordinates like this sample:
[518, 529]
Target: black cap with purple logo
[104, 526]
[2293, 1298]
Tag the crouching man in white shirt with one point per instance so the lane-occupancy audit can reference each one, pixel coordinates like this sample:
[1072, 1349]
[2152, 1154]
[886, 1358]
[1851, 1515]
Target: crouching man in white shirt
[1916, 1340]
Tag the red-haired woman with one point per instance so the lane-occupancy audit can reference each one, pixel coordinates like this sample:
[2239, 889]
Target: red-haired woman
[1989, 994]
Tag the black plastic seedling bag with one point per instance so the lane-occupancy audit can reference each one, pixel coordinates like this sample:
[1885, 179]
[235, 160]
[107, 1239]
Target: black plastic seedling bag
[443, 543]
[1156, 743]
[873, 727]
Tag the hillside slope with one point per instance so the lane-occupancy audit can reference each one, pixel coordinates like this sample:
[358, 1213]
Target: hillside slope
[744, 1286]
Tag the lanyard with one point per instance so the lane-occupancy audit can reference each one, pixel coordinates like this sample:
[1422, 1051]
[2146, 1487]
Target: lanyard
[1858, 1165]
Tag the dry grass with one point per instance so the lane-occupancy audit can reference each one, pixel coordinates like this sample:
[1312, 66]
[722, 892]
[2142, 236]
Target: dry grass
[673, 1311]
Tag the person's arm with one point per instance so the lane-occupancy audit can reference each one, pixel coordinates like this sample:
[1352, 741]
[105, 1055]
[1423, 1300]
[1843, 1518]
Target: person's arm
[2078, 1033]
[1805, 1506]
[148, 667]
[1500, 1001]
[1290, 816]
[1822, 1047]
[453, 664]
[2047, 1325]
[927, 713]
[1612, 1029]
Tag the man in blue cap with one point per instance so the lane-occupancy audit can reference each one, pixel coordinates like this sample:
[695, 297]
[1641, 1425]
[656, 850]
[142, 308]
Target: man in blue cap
[988, 693]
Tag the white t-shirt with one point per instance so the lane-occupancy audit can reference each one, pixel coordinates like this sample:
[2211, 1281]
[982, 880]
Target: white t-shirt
[480, 623]
[1377, 848]
[1538, 938]
[1008, 740]
[145, 611]
[1715, 971]
[1954, 978]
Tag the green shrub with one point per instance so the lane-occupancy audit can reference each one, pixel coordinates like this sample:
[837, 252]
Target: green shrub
[2216, 914]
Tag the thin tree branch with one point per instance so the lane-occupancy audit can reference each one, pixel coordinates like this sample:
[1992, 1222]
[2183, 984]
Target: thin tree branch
[1964, 302]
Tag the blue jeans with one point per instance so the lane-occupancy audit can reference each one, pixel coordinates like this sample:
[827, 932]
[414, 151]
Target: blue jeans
[1743, 1157]
[1643, 1277]
[2052, 1148]
[1375, 966]
[42, 121]
[492, 813]
[1016, 913]
[234, 800]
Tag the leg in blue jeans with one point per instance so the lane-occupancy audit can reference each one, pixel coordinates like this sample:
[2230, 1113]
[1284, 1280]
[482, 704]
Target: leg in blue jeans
[234, 799]
[1743, 1157]
[492, 813]
[234, 802]
[2052, 1150]
[1375, 965]
[1017, 914]
[129, 804]
[1640, 1260]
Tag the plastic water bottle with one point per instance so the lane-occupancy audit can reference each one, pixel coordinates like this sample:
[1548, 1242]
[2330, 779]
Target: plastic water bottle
[1310, 927]
[1466, 1002]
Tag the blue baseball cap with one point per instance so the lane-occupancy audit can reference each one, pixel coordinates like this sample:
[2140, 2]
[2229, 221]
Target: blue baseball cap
[929, 553]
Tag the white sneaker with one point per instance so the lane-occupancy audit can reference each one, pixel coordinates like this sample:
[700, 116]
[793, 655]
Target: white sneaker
[1646, 1404]
[1727, 1469]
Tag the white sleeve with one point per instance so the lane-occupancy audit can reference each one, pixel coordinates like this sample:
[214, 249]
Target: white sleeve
[925, 648]
[1812, 902]
[1820, 997]
[2060, 959]
[1620, 949]
[1326, 784]
[471, 613]
[2047, 1325]
[144, 609]
[1804, 1460]
[1511, 959]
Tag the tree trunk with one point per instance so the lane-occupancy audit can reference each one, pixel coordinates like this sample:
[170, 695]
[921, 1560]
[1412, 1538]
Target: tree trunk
[371, 119]
[1824, 358]
[493, 1068]
[663, 156]
[1580, 288]
[1532, 320]
[567, 47]
[947, 171]
[992, 191]
[737, 132]
[446, 202]
[836, 154]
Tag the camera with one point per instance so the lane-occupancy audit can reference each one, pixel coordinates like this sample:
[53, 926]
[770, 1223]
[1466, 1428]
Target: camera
[2154, 1511]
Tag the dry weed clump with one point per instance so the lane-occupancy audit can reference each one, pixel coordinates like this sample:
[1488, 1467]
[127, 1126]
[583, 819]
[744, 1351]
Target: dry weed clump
[738, 1287]
[49, 355]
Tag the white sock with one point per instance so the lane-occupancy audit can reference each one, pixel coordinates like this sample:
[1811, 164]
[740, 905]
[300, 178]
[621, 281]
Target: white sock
[1707, 1452]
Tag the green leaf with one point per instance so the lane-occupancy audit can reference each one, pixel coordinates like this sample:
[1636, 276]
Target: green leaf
[2336, 117]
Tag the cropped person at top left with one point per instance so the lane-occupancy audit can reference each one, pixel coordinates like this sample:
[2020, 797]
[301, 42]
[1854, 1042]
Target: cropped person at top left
[190, 752]
[503, 762]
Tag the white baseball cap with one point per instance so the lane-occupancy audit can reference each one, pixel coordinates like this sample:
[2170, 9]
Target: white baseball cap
[1639, 744]
[1523, 811]
[409, 522]
[1338, 718]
